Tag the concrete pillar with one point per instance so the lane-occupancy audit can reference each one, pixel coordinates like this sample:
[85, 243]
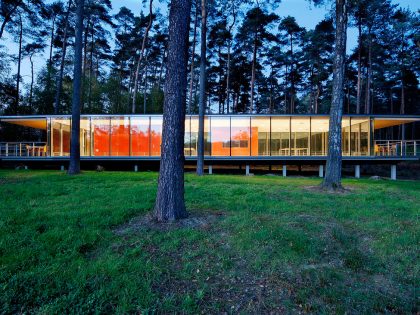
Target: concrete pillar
[393, 172]
[357, 171]
[62, 168]
[321, 171]
[210, 169]
[284, 170]
[136, 168]
[247, 170]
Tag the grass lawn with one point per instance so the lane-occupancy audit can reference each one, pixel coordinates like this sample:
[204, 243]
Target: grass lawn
[273, 246]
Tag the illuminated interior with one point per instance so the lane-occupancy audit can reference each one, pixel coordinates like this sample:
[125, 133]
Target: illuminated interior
[236, 136]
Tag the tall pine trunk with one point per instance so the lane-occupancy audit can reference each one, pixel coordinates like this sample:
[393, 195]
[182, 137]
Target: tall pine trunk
[190, 98]
[229, 47]
[74, 166]
[31, 89]
[202, 96]
[369, 76]
[254, 57]
[170, 203]
[63, 59]
[143, 46]
[332, 180]
[19, 63]
[359, 67]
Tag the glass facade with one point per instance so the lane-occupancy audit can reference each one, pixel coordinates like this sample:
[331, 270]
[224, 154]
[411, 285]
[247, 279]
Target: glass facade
[236, 136]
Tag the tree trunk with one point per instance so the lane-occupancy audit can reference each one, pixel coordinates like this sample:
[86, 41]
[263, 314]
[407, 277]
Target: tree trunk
[8, 17]
[332, 178]
[145, 90]
[369, 76]
[229, 47]
[254, 57]
[19, 62]
[190, 98]
[63, 59]
[92, 46]
[170, 203]
[292, 80]
[32, 81]
[202, 96]
[74, 166]
[50, 57]
[359, 67]
[143, 46]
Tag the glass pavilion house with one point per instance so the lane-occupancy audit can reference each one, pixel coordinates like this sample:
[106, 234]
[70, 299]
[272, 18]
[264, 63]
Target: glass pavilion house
[236, 138]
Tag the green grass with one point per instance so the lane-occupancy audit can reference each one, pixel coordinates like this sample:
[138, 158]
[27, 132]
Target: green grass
[277, 247]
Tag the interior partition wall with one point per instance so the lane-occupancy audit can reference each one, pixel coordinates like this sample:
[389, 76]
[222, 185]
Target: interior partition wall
[223, 136]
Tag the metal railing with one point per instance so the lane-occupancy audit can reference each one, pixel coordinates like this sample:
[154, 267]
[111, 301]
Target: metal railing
[23, 149]
[395, 148]
[383, 148]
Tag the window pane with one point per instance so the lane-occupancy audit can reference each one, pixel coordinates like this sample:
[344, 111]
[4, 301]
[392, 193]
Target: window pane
[120, 136]
[60, 136]
[187, 137]
[260, 135]
[194, 136]
[85, 137]
[220, 136]
[359, 136]
[280, 135]
[300, 136]
[240, 136]
[155, 135]
[319, 136]
[140, 136]
[345, 136]
[101, 136]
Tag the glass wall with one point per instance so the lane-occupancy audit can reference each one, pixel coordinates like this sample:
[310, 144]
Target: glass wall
[359, 136]
[223, 135]
[85, 137]
[155, 135]
[220, 136]
[319, 136]
[194, 136]
[60, 136]
[101, 136]
[120, 136]
[280, 136]
[260, 136]
[140, 136]
[240, 144]
[345, 136]
[300, 141]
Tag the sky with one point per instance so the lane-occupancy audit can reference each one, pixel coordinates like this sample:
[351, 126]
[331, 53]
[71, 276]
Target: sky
[306, 14]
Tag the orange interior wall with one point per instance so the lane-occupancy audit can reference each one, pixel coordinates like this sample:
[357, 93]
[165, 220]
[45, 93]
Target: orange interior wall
[101, 143]
[120, 141]
[156, 139]
[217, 148]
[139, 143]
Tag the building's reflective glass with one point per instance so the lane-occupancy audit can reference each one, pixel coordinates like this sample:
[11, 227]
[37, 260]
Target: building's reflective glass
[60, 136]
[280, 136]
[85, 137]
[345, 136]
[240, 142]
[140, 136]
[120, 136]
[300, 136]
[220, 136]
[260, 135]
[101, 136]
[155, 135]
[319, 136]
